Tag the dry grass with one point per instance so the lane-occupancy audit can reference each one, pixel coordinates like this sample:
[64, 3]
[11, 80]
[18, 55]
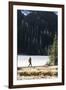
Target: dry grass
[37, 72]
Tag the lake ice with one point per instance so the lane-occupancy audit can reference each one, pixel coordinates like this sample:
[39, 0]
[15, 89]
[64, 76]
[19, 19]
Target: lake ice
[23, 61]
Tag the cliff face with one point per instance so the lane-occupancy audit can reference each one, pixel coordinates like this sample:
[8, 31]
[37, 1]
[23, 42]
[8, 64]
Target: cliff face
[35, 32]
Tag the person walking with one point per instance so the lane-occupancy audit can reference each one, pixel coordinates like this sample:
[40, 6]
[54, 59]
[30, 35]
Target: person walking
[30, 62]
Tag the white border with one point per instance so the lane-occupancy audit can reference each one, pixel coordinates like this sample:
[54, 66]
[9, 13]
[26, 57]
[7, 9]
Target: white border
[22, 82]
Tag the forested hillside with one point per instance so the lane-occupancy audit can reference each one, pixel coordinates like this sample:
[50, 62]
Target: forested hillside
[36, 32]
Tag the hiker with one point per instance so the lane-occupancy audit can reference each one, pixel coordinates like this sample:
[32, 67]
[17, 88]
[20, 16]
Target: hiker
[30, 63]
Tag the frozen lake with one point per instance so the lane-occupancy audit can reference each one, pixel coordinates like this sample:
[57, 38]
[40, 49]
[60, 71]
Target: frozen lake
[23, 61]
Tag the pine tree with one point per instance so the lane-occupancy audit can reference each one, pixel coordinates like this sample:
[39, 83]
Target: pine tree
[53, 53]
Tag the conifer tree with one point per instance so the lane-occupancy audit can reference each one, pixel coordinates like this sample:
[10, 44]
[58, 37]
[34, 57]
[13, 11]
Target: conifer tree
[53, 53]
